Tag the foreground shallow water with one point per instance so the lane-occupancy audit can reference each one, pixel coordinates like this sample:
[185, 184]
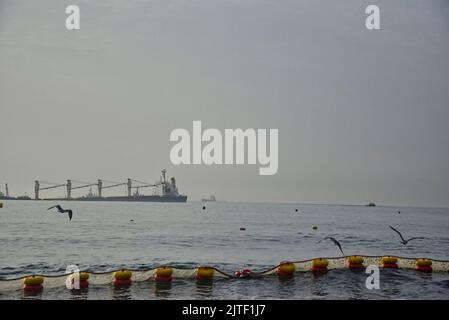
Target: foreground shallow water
[102, 237]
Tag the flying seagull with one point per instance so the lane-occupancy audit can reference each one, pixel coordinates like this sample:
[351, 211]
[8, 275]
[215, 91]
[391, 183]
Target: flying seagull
[335, 242]
[403, 241]
[61, 210]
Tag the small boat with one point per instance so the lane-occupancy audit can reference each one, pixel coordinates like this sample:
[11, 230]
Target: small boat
[371, 204]
[211, 199]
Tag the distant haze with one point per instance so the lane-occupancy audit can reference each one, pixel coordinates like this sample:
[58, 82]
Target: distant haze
[362, 115]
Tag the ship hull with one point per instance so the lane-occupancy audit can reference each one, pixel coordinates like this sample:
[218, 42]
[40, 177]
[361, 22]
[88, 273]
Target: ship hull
[128, 199]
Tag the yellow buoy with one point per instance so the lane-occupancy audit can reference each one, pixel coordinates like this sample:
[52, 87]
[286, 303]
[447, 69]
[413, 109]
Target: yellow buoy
[390, 262]
[204, 273]
[122, 275]
[122, 278]
[83, 283]
[424, 265]
[286, 269]
[319, 265]
[33, 281]
[164, 272]
[33, 284]
[84, 276]
[355, 262]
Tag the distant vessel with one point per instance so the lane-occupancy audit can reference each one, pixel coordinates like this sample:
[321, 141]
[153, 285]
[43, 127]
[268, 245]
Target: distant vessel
[371, 204]
[210, 199]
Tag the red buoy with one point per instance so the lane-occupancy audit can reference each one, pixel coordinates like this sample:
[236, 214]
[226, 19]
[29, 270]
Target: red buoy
[33, 288]
[121, 282]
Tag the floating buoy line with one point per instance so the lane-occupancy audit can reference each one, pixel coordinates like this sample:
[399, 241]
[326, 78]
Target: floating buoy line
[165, 274]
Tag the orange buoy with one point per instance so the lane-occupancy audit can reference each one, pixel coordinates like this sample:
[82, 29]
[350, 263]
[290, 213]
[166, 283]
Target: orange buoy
[355, 262]
[122, 278]
[286, 269]
[163, 274]
[33, 283]
[319, 265]
[424, 265]
[390, 262]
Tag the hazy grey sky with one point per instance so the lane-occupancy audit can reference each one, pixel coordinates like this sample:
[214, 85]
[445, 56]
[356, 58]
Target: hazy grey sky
[362, 115]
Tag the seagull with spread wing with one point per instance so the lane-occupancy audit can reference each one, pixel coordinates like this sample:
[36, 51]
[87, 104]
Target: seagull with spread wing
[335, 242]
[61, 210]
[403, 241]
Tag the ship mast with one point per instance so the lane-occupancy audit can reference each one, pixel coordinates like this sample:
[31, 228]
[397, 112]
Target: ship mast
[163, 183]
[163, 175]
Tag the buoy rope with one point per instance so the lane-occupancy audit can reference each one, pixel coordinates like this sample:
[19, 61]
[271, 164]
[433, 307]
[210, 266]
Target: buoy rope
[223, 273]
[258, 273]
[371, 257]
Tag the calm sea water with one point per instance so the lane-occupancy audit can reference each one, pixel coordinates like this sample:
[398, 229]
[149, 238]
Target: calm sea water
[102, 237]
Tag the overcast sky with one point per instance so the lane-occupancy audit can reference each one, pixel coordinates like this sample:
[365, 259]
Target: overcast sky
[362, 115]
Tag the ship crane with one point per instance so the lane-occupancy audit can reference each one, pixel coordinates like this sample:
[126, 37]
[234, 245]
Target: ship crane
[115, 184]
[143, 185]
[37, 187]
[85, 185]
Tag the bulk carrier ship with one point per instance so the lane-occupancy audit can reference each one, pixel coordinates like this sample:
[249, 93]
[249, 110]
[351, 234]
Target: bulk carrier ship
[164, 191]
